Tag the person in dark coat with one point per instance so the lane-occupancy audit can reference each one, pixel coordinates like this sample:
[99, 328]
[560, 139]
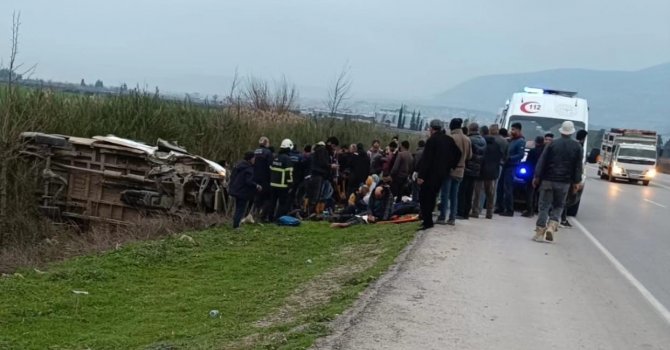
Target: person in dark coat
[243, 187]
[531, 161]
[473, 168]
[401, 171]
[359, 166]
[282, 180]
[490, 171]
[389, 161]
[417, 158]
[263, 156]
[440, 157]
[322, 168]
[418, 153]
[558, 172]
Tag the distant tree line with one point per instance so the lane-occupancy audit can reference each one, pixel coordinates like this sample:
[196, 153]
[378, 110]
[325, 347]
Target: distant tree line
[416, 123]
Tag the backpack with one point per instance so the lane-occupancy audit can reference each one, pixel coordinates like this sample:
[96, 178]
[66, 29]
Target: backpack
[288, 221]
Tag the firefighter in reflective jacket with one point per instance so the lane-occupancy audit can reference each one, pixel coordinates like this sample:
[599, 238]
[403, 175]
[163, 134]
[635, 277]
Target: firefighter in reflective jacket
[281, 179]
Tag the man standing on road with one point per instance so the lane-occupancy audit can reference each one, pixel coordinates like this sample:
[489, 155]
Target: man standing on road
[558, 172]
[531, 163]
[489, 174]
[517, 150]
[440, 156]
[473, 169]
[449, 190]
[574, 197]
[502, 142]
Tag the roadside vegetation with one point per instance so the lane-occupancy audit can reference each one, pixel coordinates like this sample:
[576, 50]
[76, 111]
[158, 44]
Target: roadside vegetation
[215, 132]
[274, 288]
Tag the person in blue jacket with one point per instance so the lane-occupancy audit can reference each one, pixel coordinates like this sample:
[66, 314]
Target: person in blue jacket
[516, 152]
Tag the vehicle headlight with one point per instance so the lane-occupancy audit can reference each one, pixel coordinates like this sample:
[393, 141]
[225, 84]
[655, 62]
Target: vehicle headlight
[617, 169]
[651, 173]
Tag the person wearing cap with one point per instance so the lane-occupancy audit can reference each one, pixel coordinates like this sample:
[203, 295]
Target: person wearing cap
[440, 157]
[263, 156]
[574, 197]
[558, 172]
[243, 187]
[281, 180]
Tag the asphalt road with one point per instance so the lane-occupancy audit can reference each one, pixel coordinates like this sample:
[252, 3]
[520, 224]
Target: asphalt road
[633, 223]
[485, 285]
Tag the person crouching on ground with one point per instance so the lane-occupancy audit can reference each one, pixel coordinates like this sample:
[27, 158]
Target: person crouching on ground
[379, 209]
[242, 186]
[558, 172]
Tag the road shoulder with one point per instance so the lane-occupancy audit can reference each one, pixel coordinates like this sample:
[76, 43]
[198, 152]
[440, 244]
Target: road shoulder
[485, 284]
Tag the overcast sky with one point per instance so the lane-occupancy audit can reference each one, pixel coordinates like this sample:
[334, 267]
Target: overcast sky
[396, 49]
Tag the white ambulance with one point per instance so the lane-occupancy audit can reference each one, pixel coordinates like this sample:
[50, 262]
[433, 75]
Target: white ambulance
[541, 112]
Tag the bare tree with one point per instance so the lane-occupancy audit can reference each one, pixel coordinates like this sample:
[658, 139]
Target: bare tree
[230, 99]
[340, 90]
[257, 94]
[7, 133]
[285, 96]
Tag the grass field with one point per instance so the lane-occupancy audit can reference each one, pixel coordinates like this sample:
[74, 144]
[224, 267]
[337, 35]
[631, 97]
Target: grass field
[275, 288]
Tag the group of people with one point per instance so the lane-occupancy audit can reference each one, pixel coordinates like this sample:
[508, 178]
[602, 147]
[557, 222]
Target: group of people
[267, 185]
[470, 168]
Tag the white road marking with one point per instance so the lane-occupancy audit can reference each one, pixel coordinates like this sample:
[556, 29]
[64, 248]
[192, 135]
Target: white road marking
[661, 185]
[654, 203]
[660, 308]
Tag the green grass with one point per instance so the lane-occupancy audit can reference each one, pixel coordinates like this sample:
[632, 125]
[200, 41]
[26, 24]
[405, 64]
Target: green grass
[157, 295]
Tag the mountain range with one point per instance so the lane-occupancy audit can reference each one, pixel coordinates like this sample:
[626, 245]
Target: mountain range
[629, 99]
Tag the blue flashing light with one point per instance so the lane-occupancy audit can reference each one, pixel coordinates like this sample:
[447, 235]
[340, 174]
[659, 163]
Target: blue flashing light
[522, 171]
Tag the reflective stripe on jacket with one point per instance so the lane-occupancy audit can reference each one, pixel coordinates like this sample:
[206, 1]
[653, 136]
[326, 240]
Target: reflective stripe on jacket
[282, 171]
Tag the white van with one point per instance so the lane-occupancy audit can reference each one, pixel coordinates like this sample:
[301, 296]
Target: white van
[540, 112]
